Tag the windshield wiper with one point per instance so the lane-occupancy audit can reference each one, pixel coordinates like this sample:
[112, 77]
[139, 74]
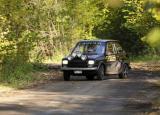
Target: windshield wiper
[90, 53]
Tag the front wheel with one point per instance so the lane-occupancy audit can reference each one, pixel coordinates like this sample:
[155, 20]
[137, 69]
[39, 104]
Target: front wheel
[124, 73]
[66, 76]
[100, 75]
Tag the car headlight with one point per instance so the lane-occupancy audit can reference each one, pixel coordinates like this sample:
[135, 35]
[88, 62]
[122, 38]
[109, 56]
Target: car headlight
[65, 62]
[91, 62]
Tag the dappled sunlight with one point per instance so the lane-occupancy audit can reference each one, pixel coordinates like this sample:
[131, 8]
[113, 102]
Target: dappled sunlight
[116, 96]
[54, 103]
[153, 8]
[37, 34]
[115, 3]
[153, 38]
[5, 90]
[41, 31]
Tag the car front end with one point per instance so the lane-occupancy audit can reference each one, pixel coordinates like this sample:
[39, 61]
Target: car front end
[79, 65]
[84, 59]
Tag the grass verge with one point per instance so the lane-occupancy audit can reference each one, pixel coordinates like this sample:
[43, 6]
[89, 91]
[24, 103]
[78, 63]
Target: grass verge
[27, 75]
[146, 58]
[20, 76]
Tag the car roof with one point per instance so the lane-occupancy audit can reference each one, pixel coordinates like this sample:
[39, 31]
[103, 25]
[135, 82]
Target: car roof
[100, 40]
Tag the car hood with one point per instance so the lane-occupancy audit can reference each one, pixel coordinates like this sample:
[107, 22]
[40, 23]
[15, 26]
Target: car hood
[89, 57]
[94, 56]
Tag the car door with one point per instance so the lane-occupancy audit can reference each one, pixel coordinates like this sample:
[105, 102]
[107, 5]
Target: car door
[122, 56]
[113, 64]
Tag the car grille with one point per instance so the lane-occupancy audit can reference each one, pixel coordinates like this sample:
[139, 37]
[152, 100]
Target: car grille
[77, 62]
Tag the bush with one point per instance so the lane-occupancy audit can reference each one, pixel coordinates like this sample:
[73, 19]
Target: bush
[16, 75]
[145, 58]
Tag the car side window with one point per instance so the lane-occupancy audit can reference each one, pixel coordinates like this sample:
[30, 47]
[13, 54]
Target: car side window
[110, 48]
[114, 48]
[118, 48]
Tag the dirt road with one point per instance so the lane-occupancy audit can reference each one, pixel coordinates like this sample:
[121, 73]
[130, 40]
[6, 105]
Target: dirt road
[133, 96]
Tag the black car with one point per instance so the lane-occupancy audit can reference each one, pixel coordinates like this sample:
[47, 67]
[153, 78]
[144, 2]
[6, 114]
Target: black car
[92, 58]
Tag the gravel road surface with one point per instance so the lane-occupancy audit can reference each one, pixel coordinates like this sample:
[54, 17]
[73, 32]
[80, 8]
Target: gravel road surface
[112, 96]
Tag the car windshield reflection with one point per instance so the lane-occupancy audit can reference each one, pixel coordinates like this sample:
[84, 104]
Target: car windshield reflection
[89, 48]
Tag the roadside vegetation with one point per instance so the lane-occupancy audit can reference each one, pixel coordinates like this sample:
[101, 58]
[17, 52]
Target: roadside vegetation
[146, 58]
[43, 31]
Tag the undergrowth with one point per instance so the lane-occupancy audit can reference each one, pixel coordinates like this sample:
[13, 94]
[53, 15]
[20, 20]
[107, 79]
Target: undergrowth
[16, 76]
[146, 58]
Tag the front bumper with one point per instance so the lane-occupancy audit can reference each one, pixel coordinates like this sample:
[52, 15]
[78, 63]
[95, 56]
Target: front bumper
[80, 69]
[84, 71]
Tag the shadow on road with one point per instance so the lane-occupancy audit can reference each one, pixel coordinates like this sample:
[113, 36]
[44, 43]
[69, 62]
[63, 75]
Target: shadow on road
[113, 96]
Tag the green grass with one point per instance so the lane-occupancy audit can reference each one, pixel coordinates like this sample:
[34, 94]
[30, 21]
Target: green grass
[146, 58]
[16, 76]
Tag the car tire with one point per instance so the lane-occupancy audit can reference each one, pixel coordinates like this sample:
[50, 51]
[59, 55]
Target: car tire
[100, 74]
[89, 77]
[66, 76]
[124, 73]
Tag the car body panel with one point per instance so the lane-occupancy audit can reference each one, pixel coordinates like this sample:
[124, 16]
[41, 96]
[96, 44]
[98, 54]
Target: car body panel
[113, 62]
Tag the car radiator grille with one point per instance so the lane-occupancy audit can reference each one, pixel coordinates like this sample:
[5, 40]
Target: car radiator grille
[77, 63]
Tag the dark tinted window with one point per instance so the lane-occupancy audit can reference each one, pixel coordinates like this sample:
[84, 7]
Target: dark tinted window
[90, 48]
[118, 48]
[110, 48]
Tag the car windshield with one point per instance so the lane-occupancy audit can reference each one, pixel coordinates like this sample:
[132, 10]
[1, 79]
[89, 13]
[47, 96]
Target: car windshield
[90, 48]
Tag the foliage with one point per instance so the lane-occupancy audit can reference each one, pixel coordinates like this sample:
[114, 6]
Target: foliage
[153, 7]
[40, 30]
[153, 38]
[146, 58]
[16, 76]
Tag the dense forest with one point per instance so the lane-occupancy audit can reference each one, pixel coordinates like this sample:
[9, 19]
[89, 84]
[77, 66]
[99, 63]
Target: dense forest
[39, 30]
